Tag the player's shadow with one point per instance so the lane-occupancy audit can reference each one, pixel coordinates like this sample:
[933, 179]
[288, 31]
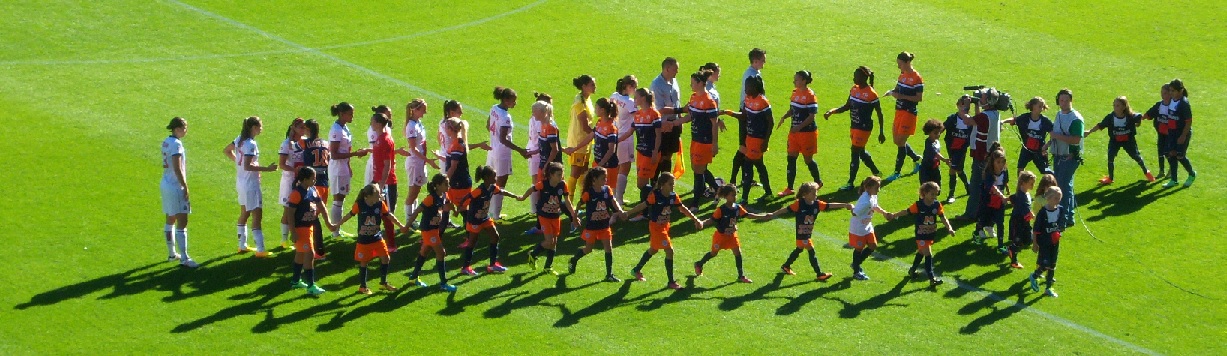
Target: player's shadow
[539, 299]
[1002, 305]
[1121, 201]
[603, 305]
[456, 306]
[760, 293]
[954, 254]
[796, 303]
[853, 310]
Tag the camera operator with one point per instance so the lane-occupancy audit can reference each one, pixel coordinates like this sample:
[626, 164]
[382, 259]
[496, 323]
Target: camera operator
[982, 125]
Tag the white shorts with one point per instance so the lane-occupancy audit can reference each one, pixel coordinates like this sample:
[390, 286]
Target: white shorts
[533, 166]
[287, 186]
[415, 173]
[250, 196]
[626, 151]
[500, 161]
[369, 174]
[173, 202]
[338, 183]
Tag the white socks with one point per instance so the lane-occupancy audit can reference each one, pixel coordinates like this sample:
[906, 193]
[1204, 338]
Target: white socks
[170, 244]
[259, 235]
[990, 232]
[334, 213]
[496, 206]
[409, 208]
[285, 231]
[621, 187]
[532, 199]
[181, 240]
[242, 237]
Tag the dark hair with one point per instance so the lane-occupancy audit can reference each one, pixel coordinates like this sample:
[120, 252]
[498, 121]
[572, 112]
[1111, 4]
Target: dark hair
[369, 189]
[437, 179]
[543, 97]
[591, 176]
[805, 74]
[1035, 101]
[290, 130]
[754, 86]
[627, 80]
[701, 76]
[1065, 91]
[610, 109]
[647, 95]
[930, 187]
[757, 54]
[303, 174]
[176, 122]
[993, 155]
[932, 126]
[966, 98]
[582, 80]
[248, 124]
[381, 109]
[996, 146]
[726, 190]
[484, 173]
[342, 107]
[863, 76]
[503, 94]
[381, 118]
[906, 56]
[1178, 85]
[664, 177]
[552, 168]
[1046, 181]
[669, 61]
[313, 129]
[712, 66]
[450, 105]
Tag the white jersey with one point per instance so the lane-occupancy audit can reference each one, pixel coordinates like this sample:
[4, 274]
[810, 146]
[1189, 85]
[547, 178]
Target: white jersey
[626, 112]
[445, 141]
[340, 134]
[415, 130]
[862, 215]
[499, 119]
[534, 132]
[243, 150]
[293, 152]
[172, 147]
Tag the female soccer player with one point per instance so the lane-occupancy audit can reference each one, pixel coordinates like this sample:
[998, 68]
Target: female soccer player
[908, 92]
[552, 196]
[534, 160]
[340, 149]
[1020, 217]
[992, 210]
[757, 114]
[959, 127]
[416, 150]
[305, 205]
[1049, 224]
[704, 138]
[501, 126]
[624, 98]
[316, 156]
[433, 210]
[478, 219]
[606, 136]
[658, 206]
[648, 131]
[930, 163]
[580, 126]
[372, 135]
[1035, 135]
[290, 159]
[803, 130]
[806, 209]
[600, 208]
[725, 237]
[246, 156]
[372, 212]
[383, 153]
[862, 102]
[1159, 114]
[457, 164]
[860, 230]
[1179, 132]
[1122, 126]
[927, 211]
[175, 199]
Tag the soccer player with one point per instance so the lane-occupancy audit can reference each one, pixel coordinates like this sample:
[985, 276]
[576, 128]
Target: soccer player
[434, 211]
[658, 206]
[927, 211]
[316, 156]
[704, 137]
[959, 127]
[289, 160]
[606, 136]
[1020, 217]
[580, 126]
[305, 205]
[416, 150]
[600, 208]
[552, 196]
[1122, 126]
[624, 99]
[930, 162]
[372, 213]
[1179, 132]
[756, 111]
[372, 135]
[340, 149]
[1049, 224]
[648, 131]
[175, 199]
[862, 102]
[501, 126]
[860, 229]
[1035, 135]
[908, 92]
[992, 206]
[1159, 114]
[246, 156]
[725, 237]
[383, 153]
[478, 219]
[806, 209]
[758, 59]
[803, 131]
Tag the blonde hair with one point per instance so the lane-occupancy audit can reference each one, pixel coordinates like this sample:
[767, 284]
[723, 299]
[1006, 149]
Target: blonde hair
[1053, 193]
[1025, 177]
[806, 188]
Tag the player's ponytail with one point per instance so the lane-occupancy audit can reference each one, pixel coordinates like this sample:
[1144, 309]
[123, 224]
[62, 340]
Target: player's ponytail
[175, 123]
[340, 108]
[435, 181]
[368, 190]
[664, 178]
[611, 110]
[313, 130]
[647, 96]
[591, 176]
[754, 87]
[582, 80]
[863, 77]
[448, 107]
[504, 94]
[869, 182]
[1177, 86]
[414, 104]
[289, 131]
[248, 124]
[628, 80]
[381, 119]
[727, 192]
[303, 173]
[806, 75]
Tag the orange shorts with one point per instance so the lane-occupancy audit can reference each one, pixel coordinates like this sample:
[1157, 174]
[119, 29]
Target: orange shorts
[805, 143]
[860, 241]
[323, 192]
[455, 195]
[860, 138]
[720, 241]
[658, 235]
[592, 236]
[550, 226]
[431, 238]
[645, 168]
[701, 153]
[755, 148]
[304, 238]
[920, 244]
[367, 252]
[805, 244]
[905, 123]
[489, 224]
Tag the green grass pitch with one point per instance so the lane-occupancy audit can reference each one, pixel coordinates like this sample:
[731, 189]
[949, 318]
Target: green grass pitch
[88, 86]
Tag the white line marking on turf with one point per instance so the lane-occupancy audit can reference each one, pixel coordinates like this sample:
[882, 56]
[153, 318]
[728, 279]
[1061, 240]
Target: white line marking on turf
[298, 49]
[371, 72]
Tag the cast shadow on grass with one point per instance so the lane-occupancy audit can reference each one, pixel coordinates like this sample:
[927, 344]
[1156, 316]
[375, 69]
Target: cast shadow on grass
[1121, 201]
[796, 303]
[877, 302]
[1015, 297]
[760, 293]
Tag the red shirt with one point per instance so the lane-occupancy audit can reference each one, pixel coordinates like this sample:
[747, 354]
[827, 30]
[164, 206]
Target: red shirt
[383, 152]
[979, 139]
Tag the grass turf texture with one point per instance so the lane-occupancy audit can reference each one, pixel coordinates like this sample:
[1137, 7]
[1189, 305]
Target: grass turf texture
[98, 80]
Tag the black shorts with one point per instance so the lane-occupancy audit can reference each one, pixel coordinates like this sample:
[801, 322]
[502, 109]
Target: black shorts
[1020, 232]
[1130, 147]
[991, 216]
[930, 175]
[1026, 156]
[957, 158]
[1180, 149]
[1048, 255]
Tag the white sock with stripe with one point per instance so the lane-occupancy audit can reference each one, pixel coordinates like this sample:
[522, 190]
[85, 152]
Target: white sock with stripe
[170, 244]
[181, 240]
[242, 236]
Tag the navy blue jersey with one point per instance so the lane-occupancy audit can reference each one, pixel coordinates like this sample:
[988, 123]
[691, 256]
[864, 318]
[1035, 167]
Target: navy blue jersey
[926, 216]
[598, 207]
[908, 84]
[1035, 132]
[929, 160]
[315, 155]
[1158, 113]
[646, 124]
[999, 180]
[1022, 206]
[370, 220]
[758, 117]
[863, 102]
[546, 141]
[1121, 129]
[432, 212]
[458, 157]
[604, 136]
[303, 200]
[958, 134]
[550, 198]
[660, 206]
[703, 114]
[1181, 116]
[806, 213]
[1049, 224]
[726, 217]
[479, 203]
[804, 104]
